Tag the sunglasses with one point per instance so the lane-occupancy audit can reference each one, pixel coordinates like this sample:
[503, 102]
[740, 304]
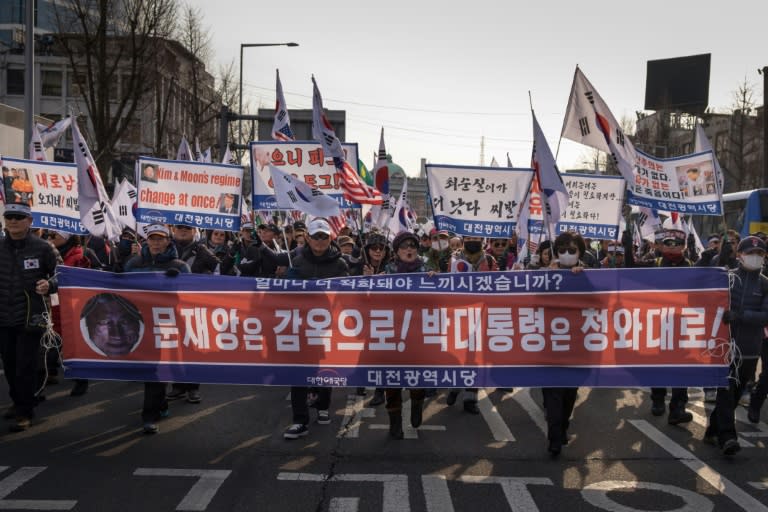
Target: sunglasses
[407, 245]
[569, 250]
[499, 244]
[15, 216]
[183, 227]
[673, 243]
[319, 236]
[377, 247]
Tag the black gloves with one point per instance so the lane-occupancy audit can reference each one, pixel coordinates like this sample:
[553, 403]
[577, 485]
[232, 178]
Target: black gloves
[173, 272]
[626, 238]
[730, 316]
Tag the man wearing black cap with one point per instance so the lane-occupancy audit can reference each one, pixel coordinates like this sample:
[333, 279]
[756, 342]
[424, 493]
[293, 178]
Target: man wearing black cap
[747, 316]
[27, 269]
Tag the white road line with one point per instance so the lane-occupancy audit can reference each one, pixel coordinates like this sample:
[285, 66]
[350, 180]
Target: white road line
[202, 492]
[344, 505]
[396, 497]
[408, 431]
[436, 493]
[703, 421]
[523, 397]
[704, 471]
[19, 478]
[353, 415]
[495, 422]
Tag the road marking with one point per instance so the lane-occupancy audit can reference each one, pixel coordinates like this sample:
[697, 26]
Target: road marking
[201, 493]
[396, 498]
[498, 427]
[597, 494]
[344, 505]
[408, 431]
[19, 478]
[703, 421]
[436, 493]
[704, 471]
[523, 397]
[353, 415]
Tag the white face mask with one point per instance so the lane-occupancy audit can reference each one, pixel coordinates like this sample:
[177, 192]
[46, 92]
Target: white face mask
[440, 245]
[568, 260]
[752, 261]
[534, 259]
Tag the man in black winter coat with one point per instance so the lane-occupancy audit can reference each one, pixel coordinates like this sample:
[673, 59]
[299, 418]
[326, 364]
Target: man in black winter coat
[27, 269]
[319, 259]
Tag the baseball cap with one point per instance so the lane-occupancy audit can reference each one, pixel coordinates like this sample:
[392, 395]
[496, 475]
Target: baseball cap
[319, 225]
[273, 228]
[157, 229]
[751, 243]
[345, 240]
[18, 209]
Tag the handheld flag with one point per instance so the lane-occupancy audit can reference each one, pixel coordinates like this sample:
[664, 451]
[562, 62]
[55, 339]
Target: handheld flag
[184, 152]
[51, 134]
[292, 193]
[124, 204]
[702, 143]
[554, 193]
[281, 126]
[36, 146]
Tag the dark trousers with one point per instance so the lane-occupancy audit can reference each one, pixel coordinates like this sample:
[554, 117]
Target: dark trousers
[677, 401]
[154, 401]
[558, 405]
[722, 420]
[395, 398]
[20, 351]
[760, 391]
[299, 402]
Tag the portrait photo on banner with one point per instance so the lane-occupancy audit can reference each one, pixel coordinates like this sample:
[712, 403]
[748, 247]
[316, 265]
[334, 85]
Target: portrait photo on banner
[111, 325]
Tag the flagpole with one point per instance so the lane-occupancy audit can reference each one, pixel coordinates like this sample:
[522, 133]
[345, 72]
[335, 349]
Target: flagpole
[542, 195]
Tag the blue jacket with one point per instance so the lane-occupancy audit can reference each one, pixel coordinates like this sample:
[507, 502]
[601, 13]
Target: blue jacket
[749, 302]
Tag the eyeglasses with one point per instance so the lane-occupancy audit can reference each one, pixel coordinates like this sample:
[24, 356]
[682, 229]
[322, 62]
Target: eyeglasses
[499, 244]
[673, 243]
[319, 236]
[377, 247]
[407, 245]
[569, 250]
[14, 216]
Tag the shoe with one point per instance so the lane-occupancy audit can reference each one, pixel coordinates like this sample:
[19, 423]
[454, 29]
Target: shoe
[193, 396]
[21, 424]
[658, 409]
[710, 396]
[555, 447]
[10, 413]
[471, 407]
[296, 431]
[150, 428]
[323, 418]
[396, 425]
[80, 388]
[360, 391]
[753, 413]
[417, 406]
[175, 394]
[451, 398]
[378, 398]
[731, 447]
[679, 416]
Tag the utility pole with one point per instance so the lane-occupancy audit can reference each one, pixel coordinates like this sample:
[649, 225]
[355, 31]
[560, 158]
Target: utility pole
[29, 74]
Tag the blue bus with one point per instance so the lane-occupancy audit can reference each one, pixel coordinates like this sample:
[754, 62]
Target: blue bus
[745, 212]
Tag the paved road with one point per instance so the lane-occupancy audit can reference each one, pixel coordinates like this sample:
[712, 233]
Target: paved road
[227, 454]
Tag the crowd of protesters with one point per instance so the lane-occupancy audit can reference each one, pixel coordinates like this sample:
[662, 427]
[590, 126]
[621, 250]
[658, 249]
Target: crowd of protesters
[311, 250]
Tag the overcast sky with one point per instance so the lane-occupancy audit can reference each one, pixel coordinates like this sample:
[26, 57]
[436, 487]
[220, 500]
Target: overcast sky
[439, 75]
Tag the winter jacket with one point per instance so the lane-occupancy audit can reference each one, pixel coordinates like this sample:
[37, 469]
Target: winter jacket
[23, 263]
[145, 262]
[308, 266]
[749, 303]
[198, 256]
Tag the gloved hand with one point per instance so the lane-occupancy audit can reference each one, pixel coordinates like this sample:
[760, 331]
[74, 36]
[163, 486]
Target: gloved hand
[172, 272]
[626, 238]
[730, 316]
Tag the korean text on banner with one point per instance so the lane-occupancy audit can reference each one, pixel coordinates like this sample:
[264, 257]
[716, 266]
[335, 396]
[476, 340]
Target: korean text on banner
[49, 188]
[448, 330]
[477, 201]
[304, 160]
[685, 184]
[203, 195]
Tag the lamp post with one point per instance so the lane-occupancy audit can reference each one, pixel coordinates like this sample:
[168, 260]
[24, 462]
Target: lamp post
[251, 45]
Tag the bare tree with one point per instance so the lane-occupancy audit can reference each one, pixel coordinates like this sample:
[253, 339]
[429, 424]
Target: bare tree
[743, 159]
[111, 48]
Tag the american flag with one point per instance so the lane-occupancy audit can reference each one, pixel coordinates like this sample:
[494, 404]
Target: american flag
[352, 186]
[337, 224]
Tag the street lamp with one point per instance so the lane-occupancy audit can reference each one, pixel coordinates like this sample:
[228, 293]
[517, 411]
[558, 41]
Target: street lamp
[251, 45]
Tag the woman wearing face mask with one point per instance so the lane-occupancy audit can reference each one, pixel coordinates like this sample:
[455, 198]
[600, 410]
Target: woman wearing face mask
[747, 316]
[542, 258]
[438, 258]
[559, 402]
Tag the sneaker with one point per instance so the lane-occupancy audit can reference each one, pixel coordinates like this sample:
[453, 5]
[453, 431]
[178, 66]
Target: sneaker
[193, 396]
[296, 431]
[730, 447]
[323, 418]
[175, 394]
[21, 424]
[679, 416]
[10, 413]
[658, 408]
[451, 398]
[150, 428]
[471, 407]
[80, 388]
[710, 396]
